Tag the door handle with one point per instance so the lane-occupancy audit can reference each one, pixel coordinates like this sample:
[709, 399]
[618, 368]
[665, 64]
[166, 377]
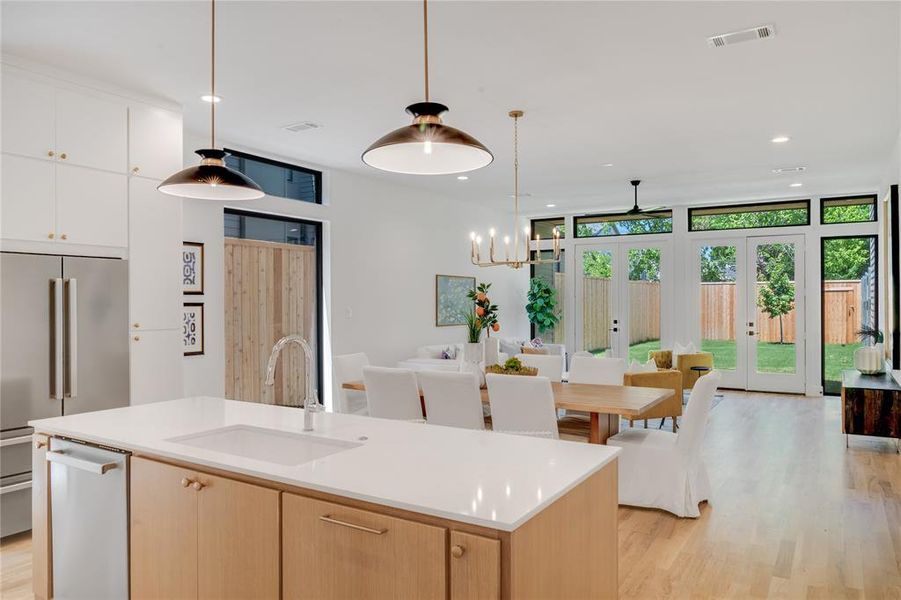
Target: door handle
[72, 336]
[614, 329]
[57, 339]
[329, 519]
[81, 464]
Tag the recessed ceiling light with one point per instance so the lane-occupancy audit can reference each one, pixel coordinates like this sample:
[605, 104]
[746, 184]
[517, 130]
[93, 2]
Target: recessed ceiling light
[780, 139]
[211, 98]
[462, 177]
[607, 165]
[550, 205]
[796, 184]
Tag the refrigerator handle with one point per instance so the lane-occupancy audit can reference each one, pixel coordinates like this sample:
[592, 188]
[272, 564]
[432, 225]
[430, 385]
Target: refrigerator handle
[57, 386]
[72, 335]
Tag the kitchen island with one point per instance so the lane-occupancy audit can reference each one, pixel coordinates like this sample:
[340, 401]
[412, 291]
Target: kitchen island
[232, 499]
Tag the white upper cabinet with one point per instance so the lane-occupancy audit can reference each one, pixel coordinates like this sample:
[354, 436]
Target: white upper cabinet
[154, 283]
[91, 131]
[156, 365]
[91, 206]
[27, 211]
[28, 117]
[154, 142]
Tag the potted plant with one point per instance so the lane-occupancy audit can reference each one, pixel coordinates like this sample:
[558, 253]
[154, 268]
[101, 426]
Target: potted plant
[513, 366]
[541, 305]
[870, 359]
[472, 349]
[486, 313]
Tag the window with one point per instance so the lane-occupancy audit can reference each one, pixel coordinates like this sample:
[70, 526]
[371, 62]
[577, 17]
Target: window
[750, 216]
[545, 228]
[850, 209]
[624, 224]
[277, 178]
[273, 287]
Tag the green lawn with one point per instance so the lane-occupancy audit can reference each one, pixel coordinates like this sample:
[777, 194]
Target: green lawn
[771, 358]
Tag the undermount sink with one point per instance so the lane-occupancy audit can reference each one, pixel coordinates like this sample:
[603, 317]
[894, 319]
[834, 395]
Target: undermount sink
[270, 445]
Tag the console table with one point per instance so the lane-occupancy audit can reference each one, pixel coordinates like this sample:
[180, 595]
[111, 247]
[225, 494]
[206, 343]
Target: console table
[871, 405]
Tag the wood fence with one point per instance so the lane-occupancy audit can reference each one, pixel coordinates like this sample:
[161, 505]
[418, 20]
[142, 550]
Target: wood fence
[841, 306]
[270, 292]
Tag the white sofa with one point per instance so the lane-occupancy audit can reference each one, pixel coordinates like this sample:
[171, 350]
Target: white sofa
[431, 357]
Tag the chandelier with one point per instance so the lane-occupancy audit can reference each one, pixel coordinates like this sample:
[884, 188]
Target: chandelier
[516, 261]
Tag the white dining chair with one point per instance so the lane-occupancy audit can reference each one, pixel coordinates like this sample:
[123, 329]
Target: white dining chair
[665, 470]
[600, 371]
[392, 393]
[452, 399]
[548, 365]
[583, 353]
[349, 367]
[522, 405]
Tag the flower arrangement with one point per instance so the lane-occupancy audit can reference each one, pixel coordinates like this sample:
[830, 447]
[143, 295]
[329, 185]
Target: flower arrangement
[473, 328]
[485, 311]
[513, 366]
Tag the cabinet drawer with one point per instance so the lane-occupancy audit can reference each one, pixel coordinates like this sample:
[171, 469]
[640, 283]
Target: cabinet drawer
[345, 552]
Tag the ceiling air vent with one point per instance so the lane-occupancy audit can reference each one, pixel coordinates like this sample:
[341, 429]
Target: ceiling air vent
[301, 126]
[761, 32]
[788, 170]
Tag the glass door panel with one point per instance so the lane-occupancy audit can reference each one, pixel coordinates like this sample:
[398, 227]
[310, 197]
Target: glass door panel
[643, 299]
[719, 269]
[595, 289]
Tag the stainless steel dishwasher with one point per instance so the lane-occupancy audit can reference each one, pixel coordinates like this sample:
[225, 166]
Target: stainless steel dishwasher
[89, 513]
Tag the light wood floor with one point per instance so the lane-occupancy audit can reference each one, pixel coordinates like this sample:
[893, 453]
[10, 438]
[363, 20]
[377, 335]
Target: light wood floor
[793, 515]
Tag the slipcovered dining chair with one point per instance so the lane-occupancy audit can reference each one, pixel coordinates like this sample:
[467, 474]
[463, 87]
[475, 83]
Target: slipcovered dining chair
[548, 365]
[522, 405]
[659, 469]
[392, 393]
[600, 371]
[452, 399]
[349, 367]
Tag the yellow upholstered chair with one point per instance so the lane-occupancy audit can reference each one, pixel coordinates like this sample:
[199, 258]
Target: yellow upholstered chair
[684, 363]
[666, 379]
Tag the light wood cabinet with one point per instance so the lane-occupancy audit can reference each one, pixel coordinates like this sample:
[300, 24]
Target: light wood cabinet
[475, 567]
[91, 131]
[28, 210]
[154, 244]
[91, 206]
[154, 142]
[28, 118]
[341, 552]
[195, 535]
[155, 360]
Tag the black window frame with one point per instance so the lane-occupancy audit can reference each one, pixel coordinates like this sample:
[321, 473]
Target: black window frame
[561, 224]
[873, 197]
[317, 175]
[639, 217]
[319, 279]
[805, 201]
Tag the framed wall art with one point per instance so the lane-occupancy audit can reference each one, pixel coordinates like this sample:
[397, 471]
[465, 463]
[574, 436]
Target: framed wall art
[192, 328]
[192, 268]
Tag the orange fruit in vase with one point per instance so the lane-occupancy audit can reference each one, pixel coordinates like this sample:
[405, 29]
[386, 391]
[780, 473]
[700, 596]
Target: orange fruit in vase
[480, 311]
[496, 327]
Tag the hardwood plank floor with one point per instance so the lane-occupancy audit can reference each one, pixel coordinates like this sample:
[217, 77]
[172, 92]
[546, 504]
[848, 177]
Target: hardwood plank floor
[794, 514]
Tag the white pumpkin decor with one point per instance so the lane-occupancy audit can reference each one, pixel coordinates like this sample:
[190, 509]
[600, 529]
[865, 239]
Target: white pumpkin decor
[870, 360]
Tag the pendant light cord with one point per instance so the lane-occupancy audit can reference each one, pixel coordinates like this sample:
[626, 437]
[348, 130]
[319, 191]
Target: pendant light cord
[213, 73]
[425, 44]
[516, 186]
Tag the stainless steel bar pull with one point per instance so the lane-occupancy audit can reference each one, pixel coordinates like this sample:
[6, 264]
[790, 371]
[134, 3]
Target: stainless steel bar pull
[79, 463]
[72, 336]
[58, 356]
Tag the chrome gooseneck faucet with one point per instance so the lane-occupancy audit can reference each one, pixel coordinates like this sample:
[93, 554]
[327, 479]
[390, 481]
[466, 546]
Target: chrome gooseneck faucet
[310, 402]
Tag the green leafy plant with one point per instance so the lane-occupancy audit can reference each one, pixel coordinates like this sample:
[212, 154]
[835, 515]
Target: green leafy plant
[542, 300]
[777, 297]
[871, 334]
[473, 328]
[513, 366]
[513, 363]
[485, 311]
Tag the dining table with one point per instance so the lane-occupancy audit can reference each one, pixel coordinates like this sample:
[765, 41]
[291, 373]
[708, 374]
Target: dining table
[604, 404]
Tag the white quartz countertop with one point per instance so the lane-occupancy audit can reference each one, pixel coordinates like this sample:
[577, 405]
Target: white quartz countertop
[478, 477]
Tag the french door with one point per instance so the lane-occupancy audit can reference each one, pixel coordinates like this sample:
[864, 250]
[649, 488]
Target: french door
[622, 287]
[749, 304]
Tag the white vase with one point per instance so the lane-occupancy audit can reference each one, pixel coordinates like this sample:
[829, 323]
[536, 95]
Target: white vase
[870, 360]
[469, 362]
[492, 351]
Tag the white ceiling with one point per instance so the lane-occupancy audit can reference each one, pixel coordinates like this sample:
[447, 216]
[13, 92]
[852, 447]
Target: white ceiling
[630, 83]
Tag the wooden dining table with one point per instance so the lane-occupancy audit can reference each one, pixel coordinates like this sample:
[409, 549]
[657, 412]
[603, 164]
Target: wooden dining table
[605, 404]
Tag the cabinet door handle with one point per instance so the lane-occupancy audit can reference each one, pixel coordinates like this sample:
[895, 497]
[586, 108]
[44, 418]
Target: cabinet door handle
[137, 325]
[135, 169]
[50, 236]
[63, 156]
[137, 338]
[457, 551]
[329, 519]
[185, 482]
[64, 237]
[51, 153]
[197, 486]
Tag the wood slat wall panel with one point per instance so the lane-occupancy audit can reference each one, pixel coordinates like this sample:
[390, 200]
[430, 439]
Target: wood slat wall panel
[270, 292]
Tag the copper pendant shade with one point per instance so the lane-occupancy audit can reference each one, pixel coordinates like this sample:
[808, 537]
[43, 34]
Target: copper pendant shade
[211, 179]
[427, 146]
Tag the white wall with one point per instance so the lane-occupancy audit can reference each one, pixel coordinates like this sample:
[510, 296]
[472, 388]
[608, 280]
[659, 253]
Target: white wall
[384, 244]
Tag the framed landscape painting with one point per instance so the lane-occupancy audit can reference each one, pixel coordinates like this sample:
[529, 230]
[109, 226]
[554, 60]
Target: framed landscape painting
[451, 301]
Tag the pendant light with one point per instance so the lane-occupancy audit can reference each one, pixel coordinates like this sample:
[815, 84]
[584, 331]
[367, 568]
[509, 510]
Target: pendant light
[211, 179]
[427, 146]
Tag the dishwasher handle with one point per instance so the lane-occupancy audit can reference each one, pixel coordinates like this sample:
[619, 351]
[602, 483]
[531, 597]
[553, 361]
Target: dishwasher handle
[81, 464]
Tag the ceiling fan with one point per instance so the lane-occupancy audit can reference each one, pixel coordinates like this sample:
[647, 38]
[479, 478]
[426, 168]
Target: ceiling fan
[638, 211]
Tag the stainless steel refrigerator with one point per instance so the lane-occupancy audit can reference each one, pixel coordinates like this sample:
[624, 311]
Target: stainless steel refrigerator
[63, 350]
